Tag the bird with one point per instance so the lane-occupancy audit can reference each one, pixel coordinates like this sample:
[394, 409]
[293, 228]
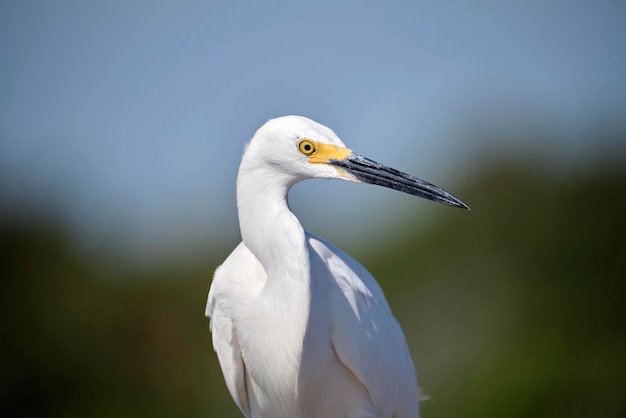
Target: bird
[300, 328]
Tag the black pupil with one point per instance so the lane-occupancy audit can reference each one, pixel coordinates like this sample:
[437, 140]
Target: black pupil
[307, 147]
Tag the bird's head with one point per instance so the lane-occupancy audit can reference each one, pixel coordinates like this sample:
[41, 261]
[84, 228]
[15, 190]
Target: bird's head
[297, 148]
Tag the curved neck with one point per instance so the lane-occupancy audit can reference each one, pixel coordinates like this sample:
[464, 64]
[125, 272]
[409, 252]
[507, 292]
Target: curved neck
[268, 227]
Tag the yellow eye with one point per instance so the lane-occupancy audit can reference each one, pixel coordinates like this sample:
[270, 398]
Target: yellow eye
[307, 147]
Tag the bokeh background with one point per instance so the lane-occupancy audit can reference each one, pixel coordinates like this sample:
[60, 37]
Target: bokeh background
[121, 129]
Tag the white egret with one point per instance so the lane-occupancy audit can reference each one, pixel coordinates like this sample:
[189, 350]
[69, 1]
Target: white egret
[299, 327]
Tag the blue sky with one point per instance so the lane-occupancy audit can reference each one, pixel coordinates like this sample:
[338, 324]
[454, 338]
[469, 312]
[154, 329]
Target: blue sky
[128, 119]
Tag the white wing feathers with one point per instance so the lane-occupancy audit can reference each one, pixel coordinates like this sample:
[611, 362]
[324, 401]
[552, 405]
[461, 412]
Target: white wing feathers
[235, 282]
[366, 337]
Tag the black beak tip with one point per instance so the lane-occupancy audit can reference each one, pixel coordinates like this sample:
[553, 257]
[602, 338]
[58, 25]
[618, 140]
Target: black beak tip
[462, 206]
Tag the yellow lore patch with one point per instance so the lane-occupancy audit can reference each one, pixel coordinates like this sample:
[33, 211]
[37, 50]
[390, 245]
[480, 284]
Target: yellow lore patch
[326, 152]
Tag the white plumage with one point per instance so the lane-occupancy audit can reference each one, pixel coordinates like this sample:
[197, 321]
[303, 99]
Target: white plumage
[299, 327]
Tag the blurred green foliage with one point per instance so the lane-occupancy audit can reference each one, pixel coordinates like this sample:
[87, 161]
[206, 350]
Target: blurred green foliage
[514, 309]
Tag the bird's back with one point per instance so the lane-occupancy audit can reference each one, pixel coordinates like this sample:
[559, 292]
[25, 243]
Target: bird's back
[354, 360]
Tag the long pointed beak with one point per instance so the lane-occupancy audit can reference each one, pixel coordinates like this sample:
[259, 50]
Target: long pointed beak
[370, 171]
